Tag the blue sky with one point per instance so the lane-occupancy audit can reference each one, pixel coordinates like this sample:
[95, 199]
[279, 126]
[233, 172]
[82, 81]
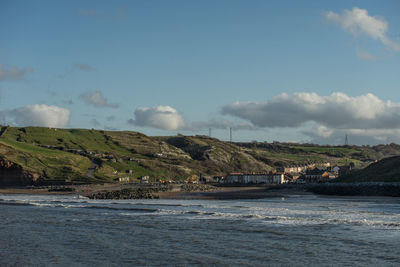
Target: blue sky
[163, 67]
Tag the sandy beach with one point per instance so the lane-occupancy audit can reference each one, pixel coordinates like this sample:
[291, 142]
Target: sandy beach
[222, 193]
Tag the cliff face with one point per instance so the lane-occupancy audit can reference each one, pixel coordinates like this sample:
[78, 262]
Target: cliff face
[13, 174]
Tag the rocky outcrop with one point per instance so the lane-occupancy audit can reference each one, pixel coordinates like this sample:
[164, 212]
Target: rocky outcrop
[127, 193]
[197, 188]
[149, 191]
[13, 174]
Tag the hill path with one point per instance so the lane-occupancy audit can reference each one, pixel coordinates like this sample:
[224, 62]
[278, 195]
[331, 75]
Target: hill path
[90, 171]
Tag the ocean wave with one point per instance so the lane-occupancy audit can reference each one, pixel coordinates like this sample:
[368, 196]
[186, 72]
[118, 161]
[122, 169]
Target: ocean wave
[123, 208]
[14, 203]
[58, 204]
[284, 219]
[262, 212]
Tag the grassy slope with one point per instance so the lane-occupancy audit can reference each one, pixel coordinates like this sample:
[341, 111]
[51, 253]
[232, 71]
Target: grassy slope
[82, 139]
[281, 154]
[57, 164]
[165, 157]
[385, 170]
[156, 158]
[52, 164]
[213, 156]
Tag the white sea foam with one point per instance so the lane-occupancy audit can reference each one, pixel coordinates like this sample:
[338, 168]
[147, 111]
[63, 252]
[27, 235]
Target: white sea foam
[288, 212]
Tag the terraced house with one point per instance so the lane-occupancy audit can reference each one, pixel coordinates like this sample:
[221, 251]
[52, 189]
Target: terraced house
[256, 178]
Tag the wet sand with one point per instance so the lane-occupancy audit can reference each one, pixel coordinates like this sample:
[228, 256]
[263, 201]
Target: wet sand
[220, 193]
[30, 191]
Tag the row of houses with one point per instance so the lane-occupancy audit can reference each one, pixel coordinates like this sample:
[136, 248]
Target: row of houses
[304, 168]
[256, 178]
[316, 175]
[310, 173]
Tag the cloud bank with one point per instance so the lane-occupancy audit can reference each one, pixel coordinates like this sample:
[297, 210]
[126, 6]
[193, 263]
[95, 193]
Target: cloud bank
[13, 73]
[358, 22]
[39, 115]
[323, 116]
[159, 117]
[337, 110]
[97, 99]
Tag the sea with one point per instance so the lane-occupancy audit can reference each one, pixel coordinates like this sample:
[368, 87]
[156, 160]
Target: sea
[295, 230]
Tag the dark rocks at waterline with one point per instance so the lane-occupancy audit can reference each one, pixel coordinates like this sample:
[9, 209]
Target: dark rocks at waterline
[136, 193]
[149, 191]
[61, 189]
[356, 189]
[197, 188]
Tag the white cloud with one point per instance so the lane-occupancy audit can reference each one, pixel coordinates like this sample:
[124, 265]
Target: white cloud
[39, 115]
[323, 131]
[358, 22]
[355, 136]
[160, 117]
[337, 110]
[14, 73]
[97, 99]
[325, 119]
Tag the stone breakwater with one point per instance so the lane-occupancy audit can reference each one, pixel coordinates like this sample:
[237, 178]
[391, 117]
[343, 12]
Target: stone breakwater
[197, 188]
[356, 189]
[149, 192]
[127, 193]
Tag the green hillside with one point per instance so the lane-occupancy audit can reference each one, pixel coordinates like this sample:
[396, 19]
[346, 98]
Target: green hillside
[45, 163]
[100, 156]
[385, 170]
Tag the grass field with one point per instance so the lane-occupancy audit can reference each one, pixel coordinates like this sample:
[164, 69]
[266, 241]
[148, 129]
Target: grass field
[52, 164]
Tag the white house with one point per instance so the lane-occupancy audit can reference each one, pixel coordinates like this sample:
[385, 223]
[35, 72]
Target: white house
[256, 178]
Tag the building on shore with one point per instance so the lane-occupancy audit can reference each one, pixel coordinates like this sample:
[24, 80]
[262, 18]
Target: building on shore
[125, 179]
[256, 178]
[304, 168]
[316, 175]
[144, 179]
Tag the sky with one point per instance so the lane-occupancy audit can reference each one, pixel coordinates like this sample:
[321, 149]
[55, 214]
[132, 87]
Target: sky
[290, 71]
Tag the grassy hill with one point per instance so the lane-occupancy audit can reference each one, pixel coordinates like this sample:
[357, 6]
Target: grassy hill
[45, 163]
[385, 170]
[100, 156]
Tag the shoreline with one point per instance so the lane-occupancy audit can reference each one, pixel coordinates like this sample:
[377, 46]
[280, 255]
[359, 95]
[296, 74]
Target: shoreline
[220, 193]
[201, 192]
